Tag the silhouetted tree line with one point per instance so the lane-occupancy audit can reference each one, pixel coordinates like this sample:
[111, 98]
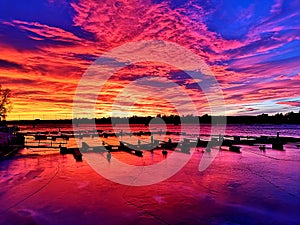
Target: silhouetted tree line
[279, 118]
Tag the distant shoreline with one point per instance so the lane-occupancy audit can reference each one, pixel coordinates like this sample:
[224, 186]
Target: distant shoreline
[289, 118]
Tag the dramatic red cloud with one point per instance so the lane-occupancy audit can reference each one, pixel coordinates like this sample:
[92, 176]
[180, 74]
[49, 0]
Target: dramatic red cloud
[253, 71]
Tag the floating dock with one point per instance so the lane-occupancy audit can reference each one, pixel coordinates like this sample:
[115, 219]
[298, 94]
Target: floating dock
[59, 140]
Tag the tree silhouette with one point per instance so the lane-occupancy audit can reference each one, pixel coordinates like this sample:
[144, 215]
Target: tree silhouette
[5, 103]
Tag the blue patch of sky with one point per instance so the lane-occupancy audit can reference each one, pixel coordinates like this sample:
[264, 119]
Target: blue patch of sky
[172, 3]
[54, 14]
[233, 19]
[289, 50]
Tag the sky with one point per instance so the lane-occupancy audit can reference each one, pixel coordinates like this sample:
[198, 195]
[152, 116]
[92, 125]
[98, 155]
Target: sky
[252, 50]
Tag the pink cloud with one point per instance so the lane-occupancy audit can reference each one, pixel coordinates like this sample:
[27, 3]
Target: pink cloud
[290, 103]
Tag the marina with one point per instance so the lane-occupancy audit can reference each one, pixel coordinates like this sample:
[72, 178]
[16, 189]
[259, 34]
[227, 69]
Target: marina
[51, 139]
[136, 142]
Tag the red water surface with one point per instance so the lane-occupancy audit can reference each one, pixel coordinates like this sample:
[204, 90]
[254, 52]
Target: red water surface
[40, 186]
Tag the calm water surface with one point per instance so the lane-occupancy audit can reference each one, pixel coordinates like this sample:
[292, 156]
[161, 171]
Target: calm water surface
[287, 130]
